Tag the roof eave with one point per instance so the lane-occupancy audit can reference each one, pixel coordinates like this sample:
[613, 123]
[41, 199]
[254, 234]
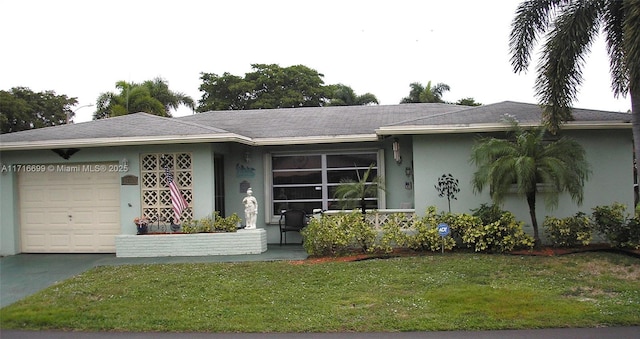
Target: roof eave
[331, 139]
[492, 127]
[126, 141]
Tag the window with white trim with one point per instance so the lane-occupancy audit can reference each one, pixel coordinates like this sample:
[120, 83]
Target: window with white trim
[309, 181]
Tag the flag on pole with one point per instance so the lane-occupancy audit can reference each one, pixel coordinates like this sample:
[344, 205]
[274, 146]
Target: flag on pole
[177, 200]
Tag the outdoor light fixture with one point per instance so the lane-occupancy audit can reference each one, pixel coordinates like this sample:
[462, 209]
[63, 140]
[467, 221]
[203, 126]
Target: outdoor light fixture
[247, 156]
[396, 151]
[125, 164]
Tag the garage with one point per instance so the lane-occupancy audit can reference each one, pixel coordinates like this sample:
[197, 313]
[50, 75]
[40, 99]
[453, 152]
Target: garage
[70, 208]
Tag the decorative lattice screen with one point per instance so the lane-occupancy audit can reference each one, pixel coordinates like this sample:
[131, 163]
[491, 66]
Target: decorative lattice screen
[156, 199]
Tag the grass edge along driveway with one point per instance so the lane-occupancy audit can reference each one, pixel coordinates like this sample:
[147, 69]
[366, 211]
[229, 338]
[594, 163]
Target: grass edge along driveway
[458, 291]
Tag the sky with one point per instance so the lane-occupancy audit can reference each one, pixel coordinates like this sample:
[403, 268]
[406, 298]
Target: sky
[82, 48]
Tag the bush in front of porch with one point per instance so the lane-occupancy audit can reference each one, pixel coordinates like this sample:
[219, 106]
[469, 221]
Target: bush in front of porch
[348, 232]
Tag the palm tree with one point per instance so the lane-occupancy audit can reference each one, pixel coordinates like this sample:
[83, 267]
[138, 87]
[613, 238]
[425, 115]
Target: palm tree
[152, 96]
[421, 93]
[526, 161]
[159, 89]
[350, 193]
[344, 95]
[571, 26]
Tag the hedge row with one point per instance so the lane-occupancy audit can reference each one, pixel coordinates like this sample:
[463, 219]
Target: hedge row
[612, 222]
[487, 230]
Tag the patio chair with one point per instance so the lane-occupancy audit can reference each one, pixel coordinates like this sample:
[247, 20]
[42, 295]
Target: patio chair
[291, 221]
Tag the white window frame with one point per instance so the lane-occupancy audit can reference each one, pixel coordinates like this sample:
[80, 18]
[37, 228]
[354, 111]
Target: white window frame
[271, 218]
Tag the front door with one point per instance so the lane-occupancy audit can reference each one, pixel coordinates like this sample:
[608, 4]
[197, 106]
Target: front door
[218, 177]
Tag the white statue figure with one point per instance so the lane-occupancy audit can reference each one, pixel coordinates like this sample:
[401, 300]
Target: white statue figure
[250, 210]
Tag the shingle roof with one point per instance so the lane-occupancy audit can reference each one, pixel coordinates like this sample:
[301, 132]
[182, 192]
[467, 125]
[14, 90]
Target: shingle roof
[315, 121]
[132, 125]
[284, 125]
[524, 113]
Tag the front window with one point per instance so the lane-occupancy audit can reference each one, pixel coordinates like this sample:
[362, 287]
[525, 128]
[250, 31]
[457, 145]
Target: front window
[309, 181]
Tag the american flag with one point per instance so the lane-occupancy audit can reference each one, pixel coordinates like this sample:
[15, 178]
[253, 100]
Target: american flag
[177, 200]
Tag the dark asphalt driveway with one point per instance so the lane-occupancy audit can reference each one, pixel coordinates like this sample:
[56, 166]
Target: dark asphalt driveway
[24, 274]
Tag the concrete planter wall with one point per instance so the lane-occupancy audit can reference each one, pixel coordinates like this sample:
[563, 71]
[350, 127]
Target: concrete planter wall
[199, 244]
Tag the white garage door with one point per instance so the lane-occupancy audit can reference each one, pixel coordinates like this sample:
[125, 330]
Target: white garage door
[70, 209]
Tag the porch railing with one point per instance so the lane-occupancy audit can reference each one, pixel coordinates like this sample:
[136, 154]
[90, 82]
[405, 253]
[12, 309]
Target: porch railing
[377, 218]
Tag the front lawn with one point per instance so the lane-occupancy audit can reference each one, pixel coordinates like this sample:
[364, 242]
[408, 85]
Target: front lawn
[459, 291]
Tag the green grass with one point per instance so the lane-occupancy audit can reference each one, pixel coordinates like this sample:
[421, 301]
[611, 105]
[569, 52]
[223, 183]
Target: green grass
[436, 292]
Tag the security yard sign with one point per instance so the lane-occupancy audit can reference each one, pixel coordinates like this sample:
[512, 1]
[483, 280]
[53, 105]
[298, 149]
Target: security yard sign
[443, 230]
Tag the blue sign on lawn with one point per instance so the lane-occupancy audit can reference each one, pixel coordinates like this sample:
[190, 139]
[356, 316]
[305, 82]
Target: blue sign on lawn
[443, 230]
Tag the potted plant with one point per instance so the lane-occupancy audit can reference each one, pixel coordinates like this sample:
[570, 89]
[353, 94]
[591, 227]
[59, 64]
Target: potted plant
[142, 224]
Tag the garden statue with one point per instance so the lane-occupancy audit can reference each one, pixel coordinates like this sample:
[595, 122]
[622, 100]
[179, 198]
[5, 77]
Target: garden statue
[448, 187]
[250, 210]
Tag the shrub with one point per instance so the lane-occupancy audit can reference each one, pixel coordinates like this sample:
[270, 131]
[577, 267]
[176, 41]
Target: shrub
[461, 224]
[394, 232]
[488, 213]
[615, 225]
[503, 235]
[343, 233]
[362, 235]
[326, 235]
[425, 233]
[205, 225]
[189, 226]
[211, 223]
[227, 224]
[571, 231]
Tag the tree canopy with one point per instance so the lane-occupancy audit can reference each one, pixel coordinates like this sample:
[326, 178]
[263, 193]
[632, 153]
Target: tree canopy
[23, 109]
[272, 86]
[468, 102]
[428, 93]
[343, 95]
[433, 94]
[151, 96]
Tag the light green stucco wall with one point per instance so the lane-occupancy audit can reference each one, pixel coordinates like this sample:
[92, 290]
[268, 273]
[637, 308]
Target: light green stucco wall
[130, 196]
[429, 156]
[203, 179]
[609, 154]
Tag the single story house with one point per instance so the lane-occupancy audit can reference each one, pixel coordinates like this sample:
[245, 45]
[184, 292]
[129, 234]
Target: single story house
[73, 188]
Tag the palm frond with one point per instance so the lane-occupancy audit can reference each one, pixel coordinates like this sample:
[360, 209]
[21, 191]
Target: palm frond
[532, 19]
[560, 68]
[613, 18]
[631, 32]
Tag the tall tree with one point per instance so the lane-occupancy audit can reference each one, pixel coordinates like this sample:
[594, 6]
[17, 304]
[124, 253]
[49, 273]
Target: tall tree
[526, 160]
[159, 89]
[226, 92]
[22, 109]
[343, 95]
[267, 86]
[427, 93]
[570, 27]
[151, 96]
